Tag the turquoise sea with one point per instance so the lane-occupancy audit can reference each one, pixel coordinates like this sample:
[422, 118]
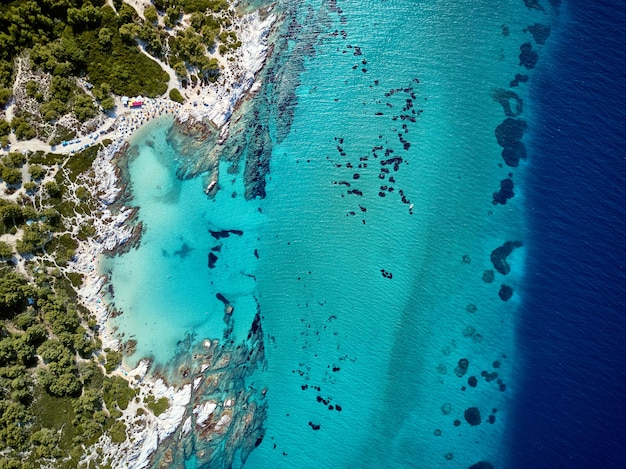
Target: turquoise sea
[387, 339]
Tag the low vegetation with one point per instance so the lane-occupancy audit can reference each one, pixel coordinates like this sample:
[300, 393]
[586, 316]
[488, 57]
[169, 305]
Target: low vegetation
[55, 395]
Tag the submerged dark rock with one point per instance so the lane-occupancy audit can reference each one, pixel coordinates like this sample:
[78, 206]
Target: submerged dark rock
[222, 298]
[539, 32]
[472, 416]
[499, 255]
[505, 193]
[314, 426]
[212, 260]
[509, 135]
[519, 78]
[505, 293]
[504, 98]
[510, 131]
[528, 57]
[225, 233]
[481, 465]
[488, 276]
[462, 367]
[513, 153]
[533, 5]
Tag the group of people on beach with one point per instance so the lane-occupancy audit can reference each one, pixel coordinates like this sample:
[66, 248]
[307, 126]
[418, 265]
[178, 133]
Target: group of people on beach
[129, 122]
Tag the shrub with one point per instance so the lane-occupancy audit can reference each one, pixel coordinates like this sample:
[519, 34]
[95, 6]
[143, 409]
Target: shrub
[176, 96]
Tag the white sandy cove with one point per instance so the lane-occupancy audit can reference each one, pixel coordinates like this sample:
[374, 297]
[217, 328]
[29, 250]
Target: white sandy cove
[216, 103]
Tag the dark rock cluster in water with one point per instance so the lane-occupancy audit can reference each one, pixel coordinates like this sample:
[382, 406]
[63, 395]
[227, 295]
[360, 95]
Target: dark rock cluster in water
[519, 78]
[219, 234]
[461, 367]
[499, 255]
[488, 276]
[539, 32]
[472, 416]
[528, 57]
[504, 98]
[505, 193]
[383, 159]
[534, 5]
[505, 293]
[509, 135]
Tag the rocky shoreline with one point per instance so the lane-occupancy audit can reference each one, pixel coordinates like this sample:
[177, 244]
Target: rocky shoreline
[210, 395]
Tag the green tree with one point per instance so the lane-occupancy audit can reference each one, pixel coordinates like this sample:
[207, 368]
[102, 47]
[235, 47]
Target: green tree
[22, 129]
[87, 404]
[5, 95]
[61, 88]
[6, 251]
[104, 37]
[53, 109]
[30, 187]
[35, 236]
[52, 189]
[108, 104]
[127, 14]
[46, 443]
[151, 15]
[32, 88]
[84, 108]
[12, 293]
[102, 91]
[5, 128]
[85, 17]
[176, 96]
[65, 384]
[36, 334]
[14, 159]
[11, 214]
[180, 69]
[11, 176]
[54, 351]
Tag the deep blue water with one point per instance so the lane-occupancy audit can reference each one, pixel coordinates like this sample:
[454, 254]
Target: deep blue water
[571, 407]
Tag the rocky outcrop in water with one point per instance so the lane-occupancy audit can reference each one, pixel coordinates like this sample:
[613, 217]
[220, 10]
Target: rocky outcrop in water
[223, 421]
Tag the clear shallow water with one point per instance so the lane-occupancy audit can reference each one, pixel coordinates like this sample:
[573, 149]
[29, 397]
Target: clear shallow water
[368, 301]
[165, 288]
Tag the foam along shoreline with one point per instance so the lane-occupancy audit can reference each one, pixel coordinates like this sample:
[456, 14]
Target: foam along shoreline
[114, 229]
